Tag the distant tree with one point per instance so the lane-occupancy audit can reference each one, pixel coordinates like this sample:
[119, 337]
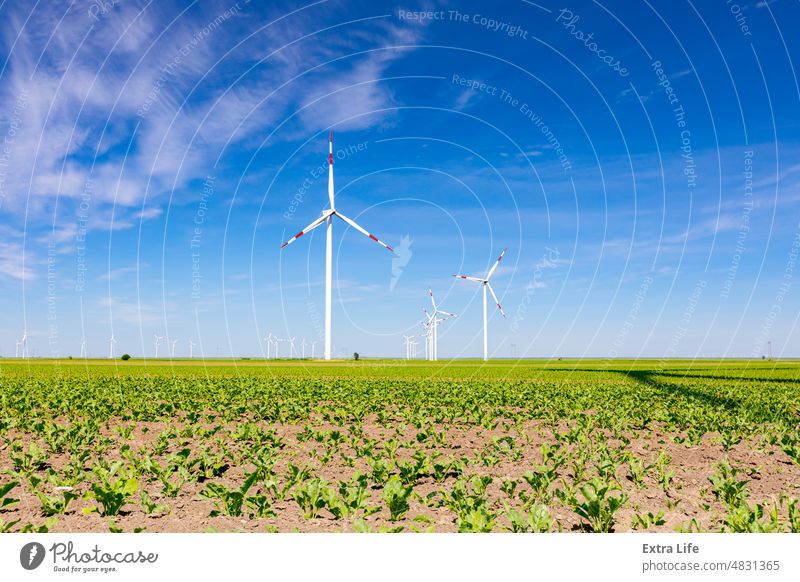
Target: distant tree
[125, 357]
[356, 356]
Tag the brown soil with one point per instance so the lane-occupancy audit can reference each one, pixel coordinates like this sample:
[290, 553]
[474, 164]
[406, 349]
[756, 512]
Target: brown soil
[769, 471]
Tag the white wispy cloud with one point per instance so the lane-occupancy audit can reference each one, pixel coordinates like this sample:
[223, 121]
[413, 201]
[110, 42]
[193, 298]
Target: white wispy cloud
[120, 111]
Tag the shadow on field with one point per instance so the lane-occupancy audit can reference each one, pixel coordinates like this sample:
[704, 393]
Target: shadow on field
[652, 379]
[733, 378]
[649, 378]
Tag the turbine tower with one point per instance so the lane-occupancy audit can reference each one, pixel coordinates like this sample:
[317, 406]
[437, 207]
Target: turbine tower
[191, 349]
[83, 349]
[407, 340]
[111, 342]
[172, 352]
[23, 343]
[157, 342]
[327, 218]
[433, 324]
[486, 285]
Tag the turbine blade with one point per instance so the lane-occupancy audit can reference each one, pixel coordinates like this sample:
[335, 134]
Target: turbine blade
[433, 301]
[496, 300]
[494, 267]
[448, 314]
[469, 278]
[358, 228]
[330, 169]
[310, 227]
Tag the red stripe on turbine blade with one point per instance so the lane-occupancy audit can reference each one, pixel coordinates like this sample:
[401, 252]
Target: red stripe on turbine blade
[330, 160]
[390, 248]
[284, 245]
[331, 137]
[373, 238]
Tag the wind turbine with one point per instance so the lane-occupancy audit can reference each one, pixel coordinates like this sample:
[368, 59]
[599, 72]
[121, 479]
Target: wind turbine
[327, 218]
[23, 343]
[313, 349]
[434, 324]
[191, 349]
[172, 351]
[407, 340]
[426, 326]
[303, 344]
[111, 342]
[83, 349]
[157, 342]
[486, 285]
[292, 351]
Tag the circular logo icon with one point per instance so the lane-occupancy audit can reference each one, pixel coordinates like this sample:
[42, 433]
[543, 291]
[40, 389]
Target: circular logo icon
[31, 555]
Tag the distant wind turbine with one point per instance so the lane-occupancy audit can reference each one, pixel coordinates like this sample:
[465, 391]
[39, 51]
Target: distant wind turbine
[485, 284]
[111, 342]
[191, 349]
[434, 322]
[157, 342]
[23, 343]
[407, 340]
[327, 218]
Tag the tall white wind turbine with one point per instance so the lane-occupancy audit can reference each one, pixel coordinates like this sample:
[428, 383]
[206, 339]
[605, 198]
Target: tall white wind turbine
[172, 351]
[327, 218]
[191, 349]
[111, 342]
[83, 349]
[486, 285]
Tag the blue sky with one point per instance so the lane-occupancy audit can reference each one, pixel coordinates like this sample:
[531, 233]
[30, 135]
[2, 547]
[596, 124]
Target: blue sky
[639, 161]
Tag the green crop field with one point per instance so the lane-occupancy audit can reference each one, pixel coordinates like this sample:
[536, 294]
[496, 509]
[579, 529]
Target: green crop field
[390, 446]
